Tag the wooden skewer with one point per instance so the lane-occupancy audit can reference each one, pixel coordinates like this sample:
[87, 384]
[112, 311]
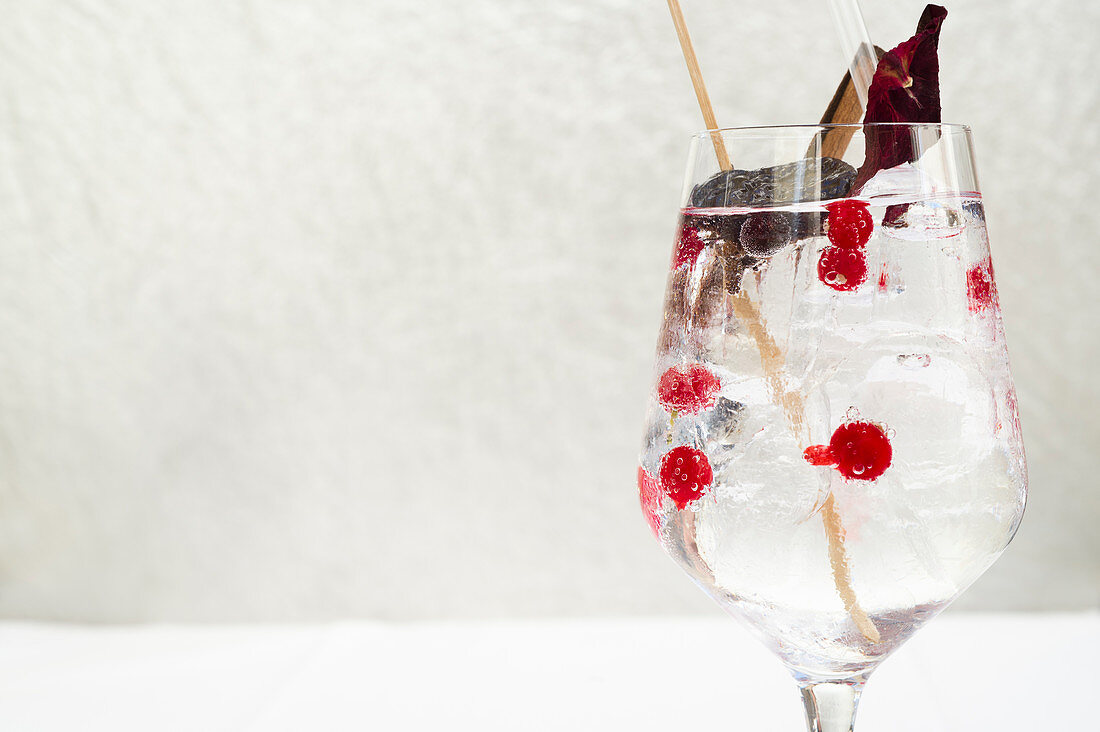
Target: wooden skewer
[697, 82]
[771, 358]
[838, 560]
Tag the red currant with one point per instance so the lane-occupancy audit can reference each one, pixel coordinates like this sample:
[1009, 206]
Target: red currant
[859, 450]
[649, 493]
[689, 388]
[688, 247]
[685, 475]
[981, 290]
[842, 269]
[850, 223]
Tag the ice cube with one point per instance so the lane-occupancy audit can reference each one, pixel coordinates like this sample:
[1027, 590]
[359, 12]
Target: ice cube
[724, 422]
[900, 184]
[926, 221]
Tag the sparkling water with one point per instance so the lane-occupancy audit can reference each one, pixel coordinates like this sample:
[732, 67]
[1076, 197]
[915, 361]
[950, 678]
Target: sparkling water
[917, 348]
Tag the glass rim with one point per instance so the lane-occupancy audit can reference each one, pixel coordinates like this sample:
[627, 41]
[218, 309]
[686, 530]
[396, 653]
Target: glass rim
[953, 127]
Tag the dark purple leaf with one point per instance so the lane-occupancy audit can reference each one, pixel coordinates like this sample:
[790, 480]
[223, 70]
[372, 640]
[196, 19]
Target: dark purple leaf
[905, 88]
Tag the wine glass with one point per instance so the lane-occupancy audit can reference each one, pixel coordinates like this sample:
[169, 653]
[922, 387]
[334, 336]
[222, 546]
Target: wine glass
[832, 449]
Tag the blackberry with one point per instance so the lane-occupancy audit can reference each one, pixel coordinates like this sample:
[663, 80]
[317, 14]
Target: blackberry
[719, 228]
[722, 233]
[776, 185]
[765, 233]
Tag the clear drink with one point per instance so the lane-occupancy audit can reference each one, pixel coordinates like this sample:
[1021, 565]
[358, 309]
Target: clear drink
[832, 448]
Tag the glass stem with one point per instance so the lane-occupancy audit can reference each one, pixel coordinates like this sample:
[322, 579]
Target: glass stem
[831, 706]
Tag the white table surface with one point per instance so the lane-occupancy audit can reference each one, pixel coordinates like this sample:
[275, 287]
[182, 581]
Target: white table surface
[962, 673]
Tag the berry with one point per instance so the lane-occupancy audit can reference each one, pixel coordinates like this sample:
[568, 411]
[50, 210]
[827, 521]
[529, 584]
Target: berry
[808, 179]
[689, 388]
[842, 269]
[859, 450]
[765, 233]
[850, 223]
[715, 228]
[981, 290]
[687, 248]
[649, 493]
[685, 475]
[723, 233]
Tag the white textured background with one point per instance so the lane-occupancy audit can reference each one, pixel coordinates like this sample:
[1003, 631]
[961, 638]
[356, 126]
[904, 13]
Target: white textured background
[340, 308]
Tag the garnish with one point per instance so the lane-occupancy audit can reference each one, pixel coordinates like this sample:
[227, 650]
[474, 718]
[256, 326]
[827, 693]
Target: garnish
[685, 475]
[981, 290]
[765, 233]
[742, 240]
[849, 223]
[859, 450]
[689, 388]
[649, 494]
[905, 88]
[842, 269]
[687, 248]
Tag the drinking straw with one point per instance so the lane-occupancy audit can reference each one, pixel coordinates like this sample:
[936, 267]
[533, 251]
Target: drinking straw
[771, 358]
[856, 44]
[863, 58]
[844, 109]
